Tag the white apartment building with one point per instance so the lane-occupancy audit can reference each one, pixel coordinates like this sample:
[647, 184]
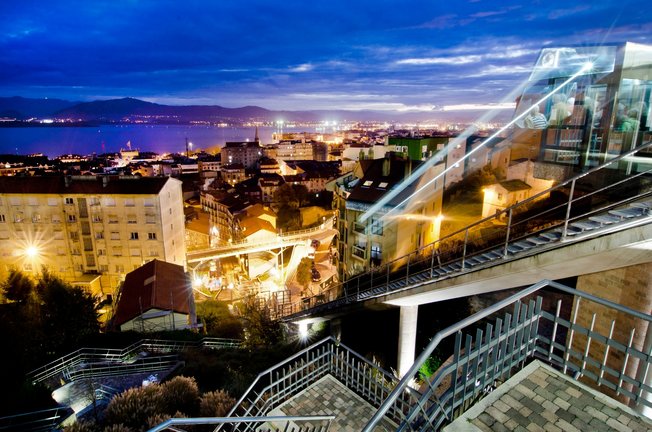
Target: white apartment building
[90, 231]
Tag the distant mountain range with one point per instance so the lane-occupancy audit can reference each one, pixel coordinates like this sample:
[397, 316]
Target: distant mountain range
[129, 108]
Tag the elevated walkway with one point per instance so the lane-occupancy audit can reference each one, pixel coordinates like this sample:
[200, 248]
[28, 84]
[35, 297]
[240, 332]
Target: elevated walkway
[245, 247]
[569, 230]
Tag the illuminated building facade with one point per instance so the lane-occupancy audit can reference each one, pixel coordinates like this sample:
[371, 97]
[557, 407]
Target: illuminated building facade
[379, 240]
[90, 231]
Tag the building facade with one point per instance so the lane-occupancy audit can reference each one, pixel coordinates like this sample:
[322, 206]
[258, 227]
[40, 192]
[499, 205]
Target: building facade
[85, 228]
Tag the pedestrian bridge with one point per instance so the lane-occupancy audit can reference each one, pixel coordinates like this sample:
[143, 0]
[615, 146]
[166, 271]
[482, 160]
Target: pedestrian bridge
[569, 230]
[292, 238]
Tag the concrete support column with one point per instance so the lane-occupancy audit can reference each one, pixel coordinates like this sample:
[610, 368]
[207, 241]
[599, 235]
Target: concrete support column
[407, 338]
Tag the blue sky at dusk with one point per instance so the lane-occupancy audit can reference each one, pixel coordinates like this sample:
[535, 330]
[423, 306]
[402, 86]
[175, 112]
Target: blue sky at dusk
[295, 55]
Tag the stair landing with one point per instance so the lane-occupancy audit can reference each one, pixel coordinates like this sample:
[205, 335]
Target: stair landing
[330, 397]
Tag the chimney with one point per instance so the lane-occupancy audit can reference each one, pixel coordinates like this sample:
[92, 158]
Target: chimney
[408, 167]
[387, 163]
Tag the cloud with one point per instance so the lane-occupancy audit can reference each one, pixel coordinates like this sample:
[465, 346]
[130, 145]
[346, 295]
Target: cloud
[457, 60]
[564, 12]
[305, 67]
[476, 107]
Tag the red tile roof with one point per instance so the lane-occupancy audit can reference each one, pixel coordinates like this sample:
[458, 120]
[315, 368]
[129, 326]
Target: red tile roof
[155, 285]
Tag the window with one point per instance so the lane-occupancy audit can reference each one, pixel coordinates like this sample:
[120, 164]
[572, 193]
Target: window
[56, 218]
[101, 252]
[104, 268]
[131, 219]
[69, 201]
[153, 252]
[72, 218]
[52, 202]
[115, 235]
[32, 201]
[36, 218]
[134, 236]
[75, 251]
[119, 268]
[61, 251]
[15, 201]
[90, 260]
[129, 202]
[2, 218]
[150, 218]
[151, 236]
[109, 202]
[99, 235]
[113, 219]
[18, 217]
[74, 235]
[500, 197]
[58, 235]
[116, 251]
[134, 252]
[148, 202]
[97, 218]
[94, 201]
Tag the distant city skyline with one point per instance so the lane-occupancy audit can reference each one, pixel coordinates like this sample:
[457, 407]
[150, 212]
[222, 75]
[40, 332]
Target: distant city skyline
[388, 55]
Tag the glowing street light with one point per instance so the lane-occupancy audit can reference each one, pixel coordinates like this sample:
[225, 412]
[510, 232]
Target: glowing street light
[31, 251]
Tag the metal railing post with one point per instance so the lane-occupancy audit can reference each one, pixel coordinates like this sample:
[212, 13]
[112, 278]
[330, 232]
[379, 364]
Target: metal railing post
[509, 227]
[568, 209]
[466, 239]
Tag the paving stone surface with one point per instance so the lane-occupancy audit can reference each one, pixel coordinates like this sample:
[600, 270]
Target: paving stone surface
[330, 397]
[542, 399]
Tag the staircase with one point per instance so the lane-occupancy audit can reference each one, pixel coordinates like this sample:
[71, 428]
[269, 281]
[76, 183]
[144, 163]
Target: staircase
[541, 223]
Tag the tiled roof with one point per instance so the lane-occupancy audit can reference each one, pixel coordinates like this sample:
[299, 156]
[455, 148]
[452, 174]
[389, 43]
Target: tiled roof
[155, 285]
[131, 185]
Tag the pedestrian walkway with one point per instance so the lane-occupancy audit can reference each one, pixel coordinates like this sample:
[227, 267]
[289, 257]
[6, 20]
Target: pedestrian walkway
[329, 396]
[539, 398]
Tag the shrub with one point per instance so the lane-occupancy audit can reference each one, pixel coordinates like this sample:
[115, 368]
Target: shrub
[216, 404]
[133, 407]
[180, 394]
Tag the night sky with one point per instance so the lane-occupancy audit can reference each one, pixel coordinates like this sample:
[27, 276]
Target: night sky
[287, 54]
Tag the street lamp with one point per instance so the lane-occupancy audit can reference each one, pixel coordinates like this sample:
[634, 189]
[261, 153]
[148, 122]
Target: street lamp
[31, 251]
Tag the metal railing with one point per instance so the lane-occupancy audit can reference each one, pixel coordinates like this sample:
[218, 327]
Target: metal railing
[526, 228]
[287, 239]
[573, 341]
[103, 360]
[35, 421]
[281, 382]
[318, 423]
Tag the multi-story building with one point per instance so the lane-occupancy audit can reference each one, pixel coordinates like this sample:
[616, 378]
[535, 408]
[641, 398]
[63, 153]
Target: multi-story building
[380, 239]
[246, 153]
[90, 230]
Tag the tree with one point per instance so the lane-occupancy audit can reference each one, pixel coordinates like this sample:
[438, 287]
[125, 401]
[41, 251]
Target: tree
[284, 196]
[260, 328]
[304, 272]
[18, 287]
[301, 194]
[288, 218]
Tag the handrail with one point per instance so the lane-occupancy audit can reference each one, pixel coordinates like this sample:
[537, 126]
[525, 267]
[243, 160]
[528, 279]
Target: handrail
[297, 306]
[282, 236]
[226, 420]
[439, 336]
[121, 354]
[298, 355]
